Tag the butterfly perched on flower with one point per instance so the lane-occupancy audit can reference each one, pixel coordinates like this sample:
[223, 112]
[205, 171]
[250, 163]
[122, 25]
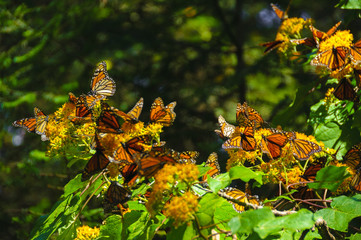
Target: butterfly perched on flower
[226, 130]
[116, 194]
[236, 194]
[187, 157]
[212, 162]
[108, 121]
[311, 171]
[353, 157]
[82, 110]
[355, 184]
[355, 53]
[101, 86]
[135, 145]
[302, 149]
[35, 124]
[242, 139]
[160, 114]
[97, 162]
[133, 114]
[245, 115]
[273, 144]
[344, 90]
[334, 59]
[149, 165]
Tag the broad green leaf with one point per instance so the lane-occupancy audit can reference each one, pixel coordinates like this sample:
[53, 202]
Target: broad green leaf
[207, 207]
[219, 182]
[301, 220]
[112, 228]
[69, 231]
[343, 210]
[223, 213]
[356, 236]
[135, 205]
[74, 185]
[330, 178]
[202, 170]
[311, 235]
[247, 221]
[245, 174]
[61, 214]
[184, 232]
[328, 133]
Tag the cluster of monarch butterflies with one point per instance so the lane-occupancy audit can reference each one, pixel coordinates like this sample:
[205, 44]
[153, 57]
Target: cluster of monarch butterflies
[335, 59]
[140, 156]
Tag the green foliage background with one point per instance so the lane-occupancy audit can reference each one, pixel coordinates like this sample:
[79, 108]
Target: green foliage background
[203, 54]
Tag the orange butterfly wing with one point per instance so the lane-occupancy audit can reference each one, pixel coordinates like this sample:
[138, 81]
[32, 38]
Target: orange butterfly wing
[271, 45]
[149, 165]
[356, 182]
[101, 83]
[344, 90]
[212, 162]
[333, 59]
[95, 164]
[353, 157]
[303, 149]
[275, 143]
[355, 52]
[28, 123]
[161, 114]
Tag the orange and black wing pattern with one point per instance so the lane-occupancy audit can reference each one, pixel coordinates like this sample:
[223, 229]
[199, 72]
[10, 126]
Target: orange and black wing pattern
[355, 52]
[273, 144]
[271, 45]
[303, 149]
[117, 194]
[333, 59]
[96, 163]
[107, 122]
[245, 140]
[212, 162]
[161, 114]
[355, 184]
[101, 83]
[246, 115]
[187, 157]
[353, 157]
[41, 121]
[149, 165]
[311, 171]
[27, 123]
[236, 194]
[344, 90]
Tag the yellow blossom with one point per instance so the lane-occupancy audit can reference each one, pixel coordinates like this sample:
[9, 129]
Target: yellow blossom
[87, 233]
[181, 208]
[339, 39]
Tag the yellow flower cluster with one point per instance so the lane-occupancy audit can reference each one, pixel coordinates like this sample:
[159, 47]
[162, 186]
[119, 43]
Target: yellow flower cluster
[87, 233]
[339, 39]
[167, 179]
[182, 208]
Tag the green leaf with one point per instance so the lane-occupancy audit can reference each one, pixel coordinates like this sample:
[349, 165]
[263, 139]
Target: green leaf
[349, 4]
[328, 133]
[330, 178]
[202, 170]
[184, 232]
[247, 221]
[311, 235]
[74, 185]
[245, 174]
[301, 220]
[219, 182]
[25, 98]
[356, 236]
[343, 210]
[112, 228]
[62, 213]
[69, 231]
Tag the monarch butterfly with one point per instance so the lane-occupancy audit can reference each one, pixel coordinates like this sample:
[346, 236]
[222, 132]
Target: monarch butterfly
[227, 129]
[130, 173]
[302, 149]
[273, 144]
[355, 53]
[81, 110]
[212, 162]
[107, 122]
[353, 157]
[356, 182]
[187, 157]
[280, 14]
[31, 124]
[134, 145]
[333, 59]
[96, 163]
[149, 165]
[246, 115]
[271, 45]
[133, 114]
[116, 194]
[236, 194]
[319, 36]
[304, 193]
[244, 140]
[161, 114]
[344, 90]
[101, 86]
[311, 171]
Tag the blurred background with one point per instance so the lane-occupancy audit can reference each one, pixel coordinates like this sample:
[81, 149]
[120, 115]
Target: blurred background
[203, 54]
